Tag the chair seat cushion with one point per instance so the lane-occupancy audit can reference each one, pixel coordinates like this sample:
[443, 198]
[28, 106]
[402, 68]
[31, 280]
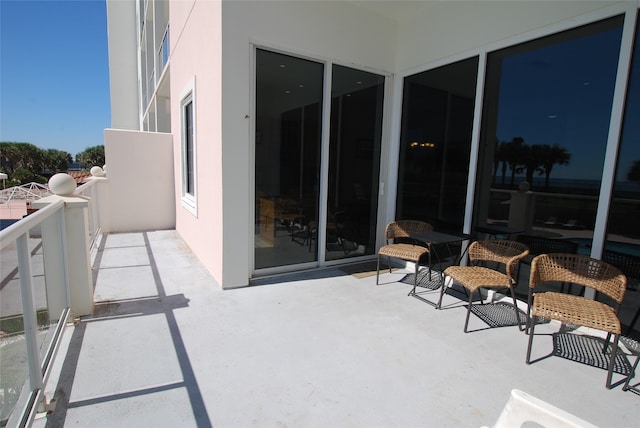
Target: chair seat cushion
[576, 310]
[474, 277]
[403, 251]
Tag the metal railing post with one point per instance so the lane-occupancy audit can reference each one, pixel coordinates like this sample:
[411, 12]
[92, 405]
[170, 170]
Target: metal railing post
[29, 312]
[76, 227]
[56, 273]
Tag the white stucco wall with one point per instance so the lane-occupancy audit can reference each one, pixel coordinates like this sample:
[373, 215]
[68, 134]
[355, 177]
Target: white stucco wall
[453, 28]
[123, 64]
[321, 30]
[213, 42]
[140, 172]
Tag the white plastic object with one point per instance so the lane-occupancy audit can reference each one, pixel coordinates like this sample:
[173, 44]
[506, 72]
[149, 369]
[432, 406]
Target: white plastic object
[524, 410]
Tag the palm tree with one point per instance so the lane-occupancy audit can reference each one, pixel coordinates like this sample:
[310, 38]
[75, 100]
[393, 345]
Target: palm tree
[91, 156]
[634, 172]
[533, 161]
[498, 159]
[514, 155]
[553, 155]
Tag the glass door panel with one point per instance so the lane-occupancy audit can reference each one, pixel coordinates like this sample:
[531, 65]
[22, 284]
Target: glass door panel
[437, 120]
[546, 120]
[622, 247]
[287, 159]
[354, 162]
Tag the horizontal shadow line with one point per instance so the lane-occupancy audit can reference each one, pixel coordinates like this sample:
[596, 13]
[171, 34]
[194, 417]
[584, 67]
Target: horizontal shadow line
[125, 395]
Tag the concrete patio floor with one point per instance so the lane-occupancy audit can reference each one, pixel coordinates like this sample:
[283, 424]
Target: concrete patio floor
[167, 347]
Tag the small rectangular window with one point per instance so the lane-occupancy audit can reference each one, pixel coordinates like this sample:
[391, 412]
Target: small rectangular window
[188, 141]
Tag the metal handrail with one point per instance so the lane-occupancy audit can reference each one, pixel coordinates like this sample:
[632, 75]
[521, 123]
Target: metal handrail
[32, 398]
[12, 232]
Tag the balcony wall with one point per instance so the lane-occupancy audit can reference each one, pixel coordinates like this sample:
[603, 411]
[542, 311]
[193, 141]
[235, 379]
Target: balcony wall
[141, 191]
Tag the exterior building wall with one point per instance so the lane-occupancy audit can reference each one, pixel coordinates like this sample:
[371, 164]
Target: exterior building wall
[321, 30]
[123, 64]
[140, 172]
[196, 56]
[453, 28]
[212, 44]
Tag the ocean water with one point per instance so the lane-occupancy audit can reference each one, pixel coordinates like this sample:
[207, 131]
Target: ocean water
[571, 183]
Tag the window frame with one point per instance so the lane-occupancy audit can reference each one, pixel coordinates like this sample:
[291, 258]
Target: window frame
[188, 198]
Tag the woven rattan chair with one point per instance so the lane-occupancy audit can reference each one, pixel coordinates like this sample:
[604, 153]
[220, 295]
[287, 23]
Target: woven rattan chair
[578, 269]
[475, 277]
[401, 246]
[541, 245]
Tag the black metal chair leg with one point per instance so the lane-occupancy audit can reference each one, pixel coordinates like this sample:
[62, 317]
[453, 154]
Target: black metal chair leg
[378, 271]
[532, 323]
[442, 287]
[515, 307]
[632, 374]
[612, 362]
[606, 343]
[466, 322]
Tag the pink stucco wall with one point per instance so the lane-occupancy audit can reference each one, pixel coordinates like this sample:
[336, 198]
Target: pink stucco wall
[196, 55]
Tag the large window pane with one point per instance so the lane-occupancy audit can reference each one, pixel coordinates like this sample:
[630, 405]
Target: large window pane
[545, 121]
[354, 160]
[288, 118]
[623, 240]
[437, 121]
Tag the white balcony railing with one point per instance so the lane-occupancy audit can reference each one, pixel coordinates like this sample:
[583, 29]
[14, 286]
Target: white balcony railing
[45, 281]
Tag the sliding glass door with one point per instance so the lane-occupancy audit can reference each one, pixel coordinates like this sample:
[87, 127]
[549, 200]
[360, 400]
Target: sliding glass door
[435, 145]
[287, 158]
[354, 162]
[288, 162]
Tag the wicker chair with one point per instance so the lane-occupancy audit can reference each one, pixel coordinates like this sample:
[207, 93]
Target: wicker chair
[400, 245]
[583, 270]
[474, 277]
[541, 245]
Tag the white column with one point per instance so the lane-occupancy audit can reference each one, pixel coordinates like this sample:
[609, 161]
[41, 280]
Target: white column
[76, 236]
[54, 251]
[522, 208]
[102, 195]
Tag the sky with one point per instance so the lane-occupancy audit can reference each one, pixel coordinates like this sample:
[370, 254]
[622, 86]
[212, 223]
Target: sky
[562, 94]
[54, 73]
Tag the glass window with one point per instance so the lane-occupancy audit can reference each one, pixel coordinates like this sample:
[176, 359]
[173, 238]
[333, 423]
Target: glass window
[188, 153]
[622, 247]
[437, 122]
[623, 224]
[287, 158]
[545, 121]
[354, 162]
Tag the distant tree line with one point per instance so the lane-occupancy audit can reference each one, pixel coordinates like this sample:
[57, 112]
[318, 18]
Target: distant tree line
[25, 163]
[518, 157]
[91, 156]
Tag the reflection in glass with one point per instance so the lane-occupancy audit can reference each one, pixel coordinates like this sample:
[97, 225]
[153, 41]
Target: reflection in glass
[545, 121]
[437, 120]
[622, 247]
[287, 156]
[13, 356]
[354, 161]
[14, 370]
